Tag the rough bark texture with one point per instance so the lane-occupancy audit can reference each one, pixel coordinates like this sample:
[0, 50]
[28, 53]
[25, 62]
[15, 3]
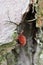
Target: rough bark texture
[22, 55]
[10, 10]
[26, 55]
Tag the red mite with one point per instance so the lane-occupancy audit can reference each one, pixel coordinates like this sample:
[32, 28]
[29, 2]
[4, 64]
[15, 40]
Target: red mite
[22, 40]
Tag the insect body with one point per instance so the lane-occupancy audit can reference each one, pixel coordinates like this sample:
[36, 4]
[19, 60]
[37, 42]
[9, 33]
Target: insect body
[22, 40]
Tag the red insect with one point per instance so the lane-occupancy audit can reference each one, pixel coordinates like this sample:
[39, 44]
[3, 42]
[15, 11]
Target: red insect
[22, 39]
